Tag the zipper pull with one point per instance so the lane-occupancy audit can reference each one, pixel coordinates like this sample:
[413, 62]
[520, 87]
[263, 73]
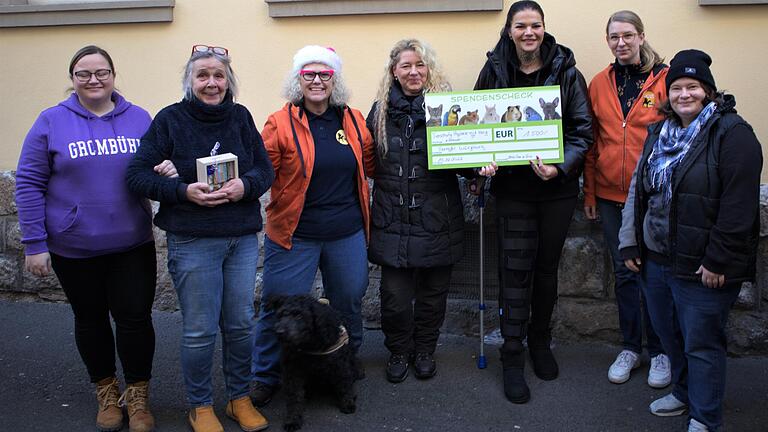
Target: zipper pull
[215, 148]
[624, 124]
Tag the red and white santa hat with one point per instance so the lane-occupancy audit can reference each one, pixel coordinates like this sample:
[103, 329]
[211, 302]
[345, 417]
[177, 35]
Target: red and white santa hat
[316, 54]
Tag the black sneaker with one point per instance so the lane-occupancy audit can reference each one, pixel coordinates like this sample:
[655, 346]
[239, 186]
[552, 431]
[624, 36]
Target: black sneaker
[261, 393]
[397, 368]
[424, 365]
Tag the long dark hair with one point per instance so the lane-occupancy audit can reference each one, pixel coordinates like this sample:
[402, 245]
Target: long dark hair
[520, 6]
[88, 50]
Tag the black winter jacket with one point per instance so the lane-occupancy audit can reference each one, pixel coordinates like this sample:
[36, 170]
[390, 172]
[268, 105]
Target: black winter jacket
[714, 212]
[188, 130]
[417, 217]
[501, 70]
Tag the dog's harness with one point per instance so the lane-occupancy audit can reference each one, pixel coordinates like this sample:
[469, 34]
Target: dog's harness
[343, 340]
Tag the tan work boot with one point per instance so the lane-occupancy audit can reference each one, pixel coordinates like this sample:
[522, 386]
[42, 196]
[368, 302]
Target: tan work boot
[110, 416]
[136, 399]
[249, 418]
[203, 419]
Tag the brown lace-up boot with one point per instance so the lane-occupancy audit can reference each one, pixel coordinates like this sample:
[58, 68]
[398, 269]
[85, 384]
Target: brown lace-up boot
[136, 399]
[110, 416]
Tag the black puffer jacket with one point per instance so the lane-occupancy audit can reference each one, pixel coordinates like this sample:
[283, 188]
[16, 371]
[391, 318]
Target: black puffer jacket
[713, 218]
[417, 216]
[501, 70]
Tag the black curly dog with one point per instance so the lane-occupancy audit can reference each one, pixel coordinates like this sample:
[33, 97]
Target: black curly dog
[315, 348]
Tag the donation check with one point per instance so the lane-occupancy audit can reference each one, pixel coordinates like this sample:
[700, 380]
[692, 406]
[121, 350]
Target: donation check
[508, 126]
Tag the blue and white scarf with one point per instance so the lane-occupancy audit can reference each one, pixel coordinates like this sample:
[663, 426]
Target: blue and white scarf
[671, 147]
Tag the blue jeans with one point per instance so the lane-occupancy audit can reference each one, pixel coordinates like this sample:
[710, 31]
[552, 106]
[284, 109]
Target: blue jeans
[344, 267]
[215, 280]
[690, 320]
[633, 315]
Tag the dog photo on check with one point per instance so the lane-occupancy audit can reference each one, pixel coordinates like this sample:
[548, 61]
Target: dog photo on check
[315, 351]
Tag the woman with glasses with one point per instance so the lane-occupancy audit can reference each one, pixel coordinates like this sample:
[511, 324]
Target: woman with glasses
[534, 203]
[690, 228]
[625, 99]
[417, 218]
[318, 216]
[211, 229]
[79, 219]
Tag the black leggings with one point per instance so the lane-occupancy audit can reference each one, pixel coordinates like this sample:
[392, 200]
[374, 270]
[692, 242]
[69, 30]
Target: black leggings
[531, 237]
[123, 285]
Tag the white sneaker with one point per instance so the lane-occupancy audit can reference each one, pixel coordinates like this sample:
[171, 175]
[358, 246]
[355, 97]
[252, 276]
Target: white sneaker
[696, 426]
[660, 372]
[619, 371]
[667, 406]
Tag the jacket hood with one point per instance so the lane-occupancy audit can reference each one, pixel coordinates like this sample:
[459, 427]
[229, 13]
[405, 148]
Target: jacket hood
[728, 105]
[550, 50]
[73, 104]
[555, 57]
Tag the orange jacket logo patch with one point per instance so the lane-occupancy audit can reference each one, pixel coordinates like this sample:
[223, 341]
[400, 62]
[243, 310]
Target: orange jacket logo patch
[649, 99]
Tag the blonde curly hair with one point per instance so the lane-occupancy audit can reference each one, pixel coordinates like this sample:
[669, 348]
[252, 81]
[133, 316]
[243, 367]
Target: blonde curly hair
[436, 82]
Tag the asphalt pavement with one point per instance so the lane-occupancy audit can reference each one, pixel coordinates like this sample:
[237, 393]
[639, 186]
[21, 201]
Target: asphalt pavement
[44, 387]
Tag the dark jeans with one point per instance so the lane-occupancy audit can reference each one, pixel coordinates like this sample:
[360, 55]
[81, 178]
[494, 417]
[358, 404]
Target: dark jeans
[531, 238]
[413, 302]
[633, 315]
[122, 285]
[690, 320]
[343, 264]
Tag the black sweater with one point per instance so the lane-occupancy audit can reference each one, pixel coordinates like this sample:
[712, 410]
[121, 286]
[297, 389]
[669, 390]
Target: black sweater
[188, 130]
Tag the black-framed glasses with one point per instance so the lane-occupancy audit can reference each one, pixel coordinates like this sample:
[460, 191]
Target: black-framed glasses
[207, 48]
[309, 75]
[84, 76]
[627, 37]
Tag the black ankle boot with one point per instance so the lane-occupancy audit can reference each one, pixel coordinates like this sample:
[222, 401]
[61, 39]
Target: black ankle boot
[544, 363]
[513, 367]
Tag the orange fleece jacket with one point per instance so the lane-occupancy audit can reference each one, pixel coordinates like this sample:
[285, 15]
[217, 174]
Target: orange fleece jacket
[292, 179]
[618, 141]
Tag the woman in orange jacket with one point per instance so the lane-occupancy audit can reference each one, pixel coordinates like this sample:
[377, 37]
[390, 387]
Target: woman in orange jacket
[318, 216]
[625, 97]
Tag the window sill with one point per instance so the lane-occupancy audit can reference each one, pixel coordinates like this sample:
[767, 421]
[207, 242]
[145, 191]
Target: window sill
[297, 8]
[106, 12]
[730, 2]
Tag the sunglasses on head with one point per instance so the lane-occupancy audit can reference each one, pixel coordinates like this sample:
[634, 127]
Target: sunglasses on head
[207, 48]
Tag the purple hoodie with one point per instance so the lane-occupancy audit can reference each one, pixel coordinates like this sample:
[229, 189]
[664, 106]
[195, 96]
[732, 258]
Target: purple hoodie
[71, 193]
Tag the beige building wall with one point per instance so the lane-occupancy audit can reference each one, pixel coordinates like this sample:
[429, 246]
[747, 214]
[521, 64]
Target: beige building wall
[149, 57]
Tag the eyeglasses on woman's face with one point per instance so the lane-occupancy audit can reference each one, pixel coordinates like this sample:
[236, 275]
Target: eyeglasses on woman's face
[628, 38]
[309, 75]
[84, 76]
[207, 48]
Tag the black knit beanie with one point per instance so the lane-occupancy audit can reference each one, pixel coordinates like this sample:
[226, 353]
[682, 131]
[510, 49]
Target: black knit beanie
[691, 63]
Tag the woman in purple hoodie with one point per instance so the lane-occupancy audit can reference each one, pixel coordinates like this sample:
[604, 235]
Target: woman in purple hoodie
[79, 219]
